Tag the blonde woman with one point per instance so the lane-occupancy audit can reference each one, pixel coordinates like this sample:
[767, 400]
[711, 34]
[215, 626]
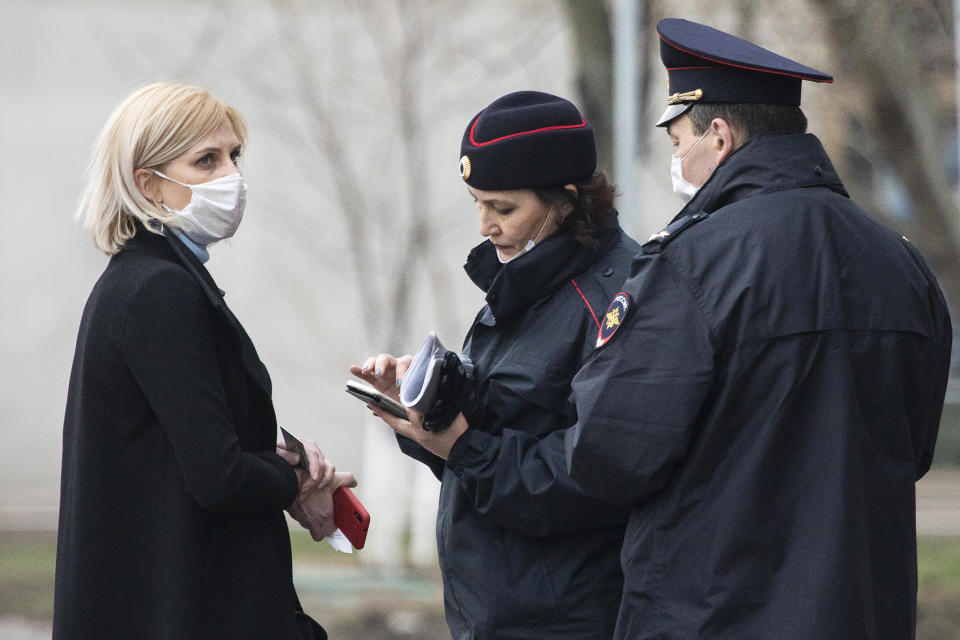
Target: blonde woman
[173, 489]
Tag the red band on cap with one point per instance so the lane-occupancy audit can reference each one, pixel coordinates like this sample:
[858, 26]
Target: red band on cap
[739, 66]
[473, 141]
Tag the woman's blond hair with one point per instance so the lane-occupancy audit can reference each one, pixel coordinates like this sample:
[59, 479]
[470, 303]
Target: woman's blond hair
[151, 127]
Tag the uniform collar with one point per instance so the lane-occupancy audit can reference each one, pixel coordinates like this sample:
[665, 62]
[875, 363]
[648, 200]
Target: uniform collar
[765, 164]
[513, 286]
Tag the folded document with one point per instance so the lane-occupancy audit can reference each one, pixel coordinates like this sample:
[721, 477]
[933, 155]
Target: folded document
[437, 384]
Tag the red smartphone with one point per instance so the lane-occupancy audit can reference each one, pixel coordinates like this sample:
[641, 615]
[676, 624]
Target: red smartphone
[350, 517]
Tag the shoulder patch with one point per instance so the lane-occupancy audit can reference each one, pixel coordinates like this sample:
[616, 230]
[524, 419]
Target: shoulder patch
[613, 318]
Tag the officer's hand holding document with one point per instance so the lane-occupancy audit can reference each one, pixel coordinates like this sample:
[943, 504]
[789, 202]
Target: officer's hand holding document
[437, 384]
[432, 388]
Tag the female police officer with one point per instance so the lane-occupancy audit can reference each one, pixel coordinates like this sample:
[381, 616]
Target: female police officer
[523, 552]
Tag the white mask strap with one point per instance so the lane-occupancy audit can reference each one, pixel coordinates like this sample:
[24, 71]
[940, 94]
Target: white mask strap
[543, 226]
[183, 184]
[694, 145]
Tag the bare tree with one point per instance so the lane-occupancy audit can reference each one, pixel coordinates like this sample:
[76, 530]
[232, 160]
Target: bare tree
[387, 205]
[373, 80]
[590, 22]
[898, 51]
[900, 121]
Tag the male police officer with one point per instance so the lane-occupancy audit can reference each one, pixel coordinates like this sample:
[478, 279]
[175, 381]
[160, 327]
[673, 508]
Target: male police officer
[768, 387]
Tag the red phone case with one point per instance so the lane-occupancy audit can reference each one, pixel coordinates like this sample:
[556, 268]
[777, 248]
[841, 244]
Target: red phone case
[350, 516]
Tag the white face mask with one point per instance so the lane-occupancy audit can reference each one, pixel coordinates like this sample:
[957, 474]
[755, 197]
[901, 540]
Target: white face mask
[681, 187]
[215, 208]
[530, 243]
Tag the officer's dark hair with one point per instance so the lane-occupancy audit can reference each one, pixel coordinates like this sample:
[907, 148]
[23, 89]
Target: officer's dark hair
[750, 120]
[590, 212]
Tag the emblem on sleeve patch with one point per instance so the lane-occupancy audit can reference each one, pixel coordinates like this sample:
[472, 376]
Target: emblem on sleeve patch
[613, 318]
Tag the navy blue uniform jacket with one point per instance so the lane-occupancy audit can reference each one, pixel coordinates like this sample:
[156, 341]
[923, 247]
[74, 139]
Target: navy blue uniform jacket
[172, 495]
[523, 551]
[765, 408]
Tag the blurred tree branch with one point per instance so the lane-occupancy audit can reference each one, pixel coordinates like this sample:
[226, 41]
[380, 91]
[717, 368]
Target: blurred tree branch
[886, 45]
[326, 137]
[593, 59]
[376, 151]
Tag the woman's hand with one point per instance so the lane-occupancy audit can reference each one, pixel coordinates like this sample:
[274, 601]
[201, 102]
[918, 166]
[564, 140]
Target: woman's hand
[383, 373]
[321, 471]
[313, 506]
[314, 510]
[439, 443]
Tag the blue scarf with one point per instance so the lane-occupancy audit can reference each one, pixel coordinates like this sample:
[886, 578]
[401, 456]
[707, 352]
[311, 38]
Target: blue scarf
[201, 252]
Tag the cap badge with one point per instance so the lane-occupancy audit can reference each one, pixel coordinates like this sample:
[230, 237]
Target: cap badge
[688, 96]
[465, 168]
[613, 319]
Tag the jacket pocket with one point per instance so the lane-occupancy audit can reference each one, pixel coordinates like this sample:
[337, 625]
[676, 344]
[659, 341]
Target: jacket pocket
[527, 595]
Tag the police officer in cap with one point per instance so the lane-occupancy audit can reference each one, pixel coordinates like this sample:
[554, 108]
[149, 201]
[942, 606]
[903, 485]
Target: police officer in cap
[767, 387]
[524, 552]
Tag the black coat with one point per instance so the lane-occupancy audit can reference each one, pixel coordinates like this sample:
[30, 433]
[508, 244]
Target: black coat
[172, 495]
[523, 552]
[766, 407]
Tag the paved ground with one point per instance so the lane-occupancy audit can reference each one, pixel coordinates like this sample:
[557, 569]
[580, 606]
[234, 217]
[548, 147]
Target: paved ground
[938, 514]
[938, 504]
[19, 629]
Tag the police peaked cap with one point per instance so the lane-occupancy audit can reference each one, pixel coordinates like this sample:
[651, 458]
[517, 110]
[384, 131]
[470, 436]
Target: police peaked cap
[707, 65]
[527, 140]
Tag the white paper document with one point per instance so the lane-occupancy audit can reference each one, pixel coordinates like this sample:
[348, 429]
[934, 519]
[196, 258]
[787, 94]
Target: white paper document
[339, 542]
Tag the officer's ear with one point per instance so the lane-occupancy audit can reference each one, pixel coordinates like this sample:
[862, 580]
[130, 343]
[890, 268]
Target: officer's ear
[725, 139]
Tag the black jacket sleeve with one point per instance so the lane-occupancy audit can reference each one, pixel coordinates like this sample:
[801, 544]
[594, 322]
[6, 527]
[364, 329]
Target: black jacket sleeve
[932, 386]
[169, 342]
[639, 397]
[522, 482]
[415, 451]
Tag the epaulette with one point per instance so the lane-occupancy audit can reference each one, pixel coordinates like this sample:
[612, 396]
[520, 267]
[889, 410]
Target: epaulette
[658, 241]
